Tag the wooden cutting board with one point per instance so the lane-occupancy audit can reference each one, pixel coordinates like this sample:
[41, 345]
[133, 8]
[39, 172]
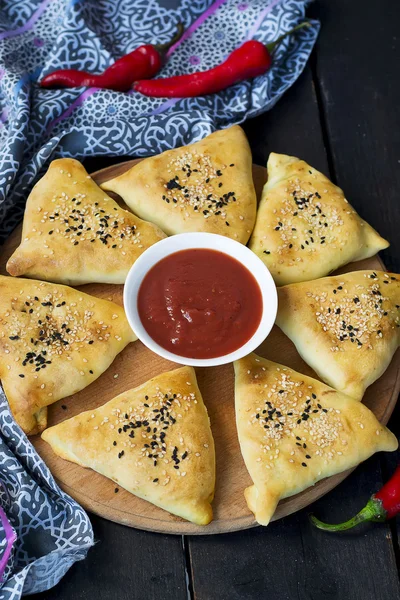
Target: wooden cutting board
[135, 365]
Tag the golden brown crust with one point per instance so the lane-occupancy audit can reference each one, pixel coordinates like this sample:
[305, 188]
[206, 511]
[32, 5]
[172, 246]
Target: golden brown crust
[54, 341]
[294, 430]
[74, 233]
[206, 186]
[345, 327]
[155, 441]
[305, 227]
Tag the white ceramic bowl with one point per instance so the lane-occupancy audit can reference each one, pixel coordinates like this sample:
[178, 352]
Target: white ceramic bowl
[210, 241]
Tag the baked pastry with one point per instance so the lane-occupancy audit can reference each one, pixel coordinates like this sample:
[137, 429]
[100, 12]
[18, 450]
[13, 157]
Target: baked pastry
[155, 441]
[74, 233]
[207, 186]
[294, 430]
[305, 227]
[54, 341]
[346, 327]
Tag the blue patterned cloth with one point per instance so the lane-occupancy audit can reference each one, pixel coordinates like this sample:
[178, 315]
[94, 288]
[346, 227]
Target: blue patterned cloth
[37, 126]
[52, 530]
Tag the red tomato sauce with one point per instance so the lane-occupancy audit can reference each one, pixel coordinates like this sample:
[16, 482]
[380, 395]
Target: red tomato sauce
[200, 303]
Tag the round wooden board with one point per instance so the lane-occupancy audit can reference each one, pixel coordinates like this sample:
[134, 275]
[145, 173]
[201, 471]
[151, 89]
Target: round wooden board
[135, 365]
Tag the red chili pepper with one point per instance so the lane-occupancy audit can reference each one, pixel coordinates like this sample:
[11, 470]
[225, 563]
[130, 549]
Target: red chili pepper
[382, 506]
[249, 60]
[144, 61]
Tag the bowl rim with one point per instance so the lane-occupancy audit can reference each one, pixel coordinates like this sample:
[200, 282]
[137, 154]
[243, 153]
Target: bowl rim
[210, 241]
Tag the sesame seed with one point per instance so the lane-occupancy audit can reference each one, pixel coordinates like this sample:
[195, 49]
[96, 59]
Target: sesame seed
[193, 185]
[314, 219]
[348, 318]
[291, 411]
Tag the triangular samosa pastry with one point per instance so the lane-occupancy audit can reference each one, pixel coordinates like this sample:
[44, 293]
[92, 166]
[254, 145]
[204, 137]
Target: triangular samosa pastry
[346, 327]
[207, 186]
[155, 441]
[74, 233]
[294, 430]
[305, 227]
[54, 341]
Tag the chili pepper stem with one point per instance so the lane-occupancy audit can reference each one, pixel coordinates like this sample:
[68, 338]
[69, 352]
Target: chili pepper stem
[272, 45]
[165, 47]
[372, 511]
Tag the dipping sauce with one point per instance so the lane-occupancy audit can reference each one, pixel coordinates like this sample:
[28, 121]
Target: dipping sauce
[200, 303]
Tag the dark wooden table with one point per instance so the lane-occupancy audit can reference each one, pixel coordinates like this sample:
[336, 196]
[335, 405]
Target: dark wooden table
[342, 116]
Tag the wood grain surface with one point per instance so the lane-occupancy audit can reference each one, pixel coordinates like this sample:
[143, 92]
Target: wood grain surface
[360, 115]
[135, 365]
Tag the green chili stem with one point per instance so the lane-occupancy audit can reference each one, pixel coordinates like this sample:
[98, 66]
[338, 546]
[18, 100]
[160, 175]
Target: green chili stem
[272, 45]
[372, 511]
